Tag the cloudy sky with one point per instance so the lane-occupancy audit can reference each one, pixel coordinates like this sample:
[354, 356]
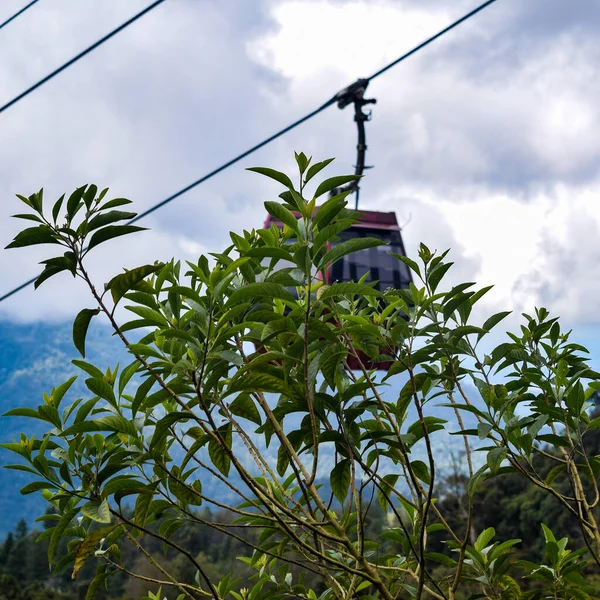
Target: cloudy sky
[486, 142]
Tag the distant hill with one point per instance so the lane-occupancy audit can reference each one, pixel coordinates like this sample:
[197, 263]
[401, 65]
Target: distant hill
[36, 357]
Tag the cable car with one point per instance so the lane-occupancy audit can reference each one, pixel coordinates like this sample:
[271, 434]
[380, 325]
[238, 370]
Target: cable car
[383, 268]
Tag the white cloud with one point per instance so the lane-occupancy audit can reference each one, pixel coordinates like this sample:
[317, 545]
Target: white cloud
[473, 139]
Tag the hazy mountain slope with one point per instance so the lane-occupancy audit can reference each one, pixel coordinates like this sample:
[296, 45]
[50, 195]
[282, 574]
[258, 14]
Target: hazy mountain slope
[34, 358]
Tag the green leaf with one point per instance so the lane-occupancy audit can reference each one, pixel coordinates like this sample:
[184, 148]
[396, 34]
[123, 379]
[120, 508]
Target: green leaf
[98, 581]
[73, 203]
[58, 531]
[442, 559]
[110, 423]
[301, 161]
[495, 457]
[483, 430]
[493, 321]
[332, 357]
[276, 175]
[260, 290]
[281, 213]
[316, 168]
[334, 182]
[80, 328]
[484, 538]
[36, 486]
[59, 393]
[348, 247]
[218, 452]
[56, 265]
[101, 388]
[437, 274]
[106, 218]
[266, 252]
[112, 231]
[142, 506]
[28, 217]
[123, 283]
[56, 208]
[89, 368]
[408, 262]
[97, 511]
[259, 382]
[340, 479]
[33, 236]
[243, 406]
[421, 471]
[114, 203]
[348, 289]
[163, 426]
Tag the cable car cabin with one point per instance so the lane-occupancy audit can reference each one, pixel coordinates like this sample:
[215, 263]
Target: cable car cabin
[382, 267]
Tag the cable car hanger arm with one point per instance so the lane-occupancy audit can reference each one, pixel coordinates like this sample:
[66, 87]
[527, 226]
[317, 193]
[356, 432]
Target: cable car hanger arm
[355, 94]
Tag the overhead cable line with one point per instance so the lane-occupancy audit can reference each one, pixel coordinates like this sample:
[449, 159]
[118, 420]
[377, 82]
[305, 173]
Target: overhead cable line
[72, 61]
[295, 124]
[19, 12]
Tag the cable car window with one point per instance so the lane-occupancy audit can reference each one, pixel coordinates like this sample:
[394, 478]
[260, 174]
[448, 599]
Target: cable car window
[384, 268]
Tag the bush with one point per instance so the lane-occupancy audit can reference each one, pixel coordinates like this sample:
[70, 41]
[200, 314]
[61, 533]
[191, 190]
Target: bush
[238, 380]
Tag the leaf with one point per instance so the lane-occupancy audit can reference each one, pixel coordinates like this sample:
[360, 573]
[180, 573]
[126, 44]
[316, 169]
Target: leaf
[259, 382]
[385, 490]
[98, 581]
[115, 202]
[36, 486]
[334, 182]
[218, 453]
[106, 218]
[33, 236]
[347, 247]
[73, 202]
[408, 262]
[493, 321]
[59, 393]
[483, 430]
[101, 388]
[163, 426]
[96, 511]
[89, 368]
[348, 289]
[244, 407]
[56, 208]
[80, 327]
[316, 168]
[421, 471]
[442, 559]
[332, 357]
[123, 283]
[266, 252]
[142, 507]
[282, 213]
[340, 479]
[56, 265]
[484, 538]
[109, 423]
[495, 457]
[28, 217]
[112, 231]
[58, 531]
[261, 290]
[437, 274]
[88, 546]
[276, 175]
